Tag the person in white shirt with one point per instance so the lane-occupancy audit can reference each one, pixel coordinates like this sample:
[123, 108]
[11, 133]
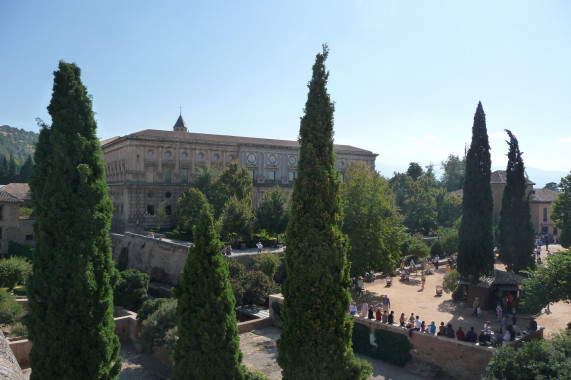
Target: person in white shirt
[260, 246]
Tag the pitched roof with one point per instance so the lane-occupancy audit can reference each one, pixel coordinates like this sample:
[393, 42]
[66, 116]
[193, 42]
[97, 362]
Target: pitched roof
[543, 195]
[500, 277]
[18, 190]
[180, 123]
[500, 176]
[7, 197]
[204, 137]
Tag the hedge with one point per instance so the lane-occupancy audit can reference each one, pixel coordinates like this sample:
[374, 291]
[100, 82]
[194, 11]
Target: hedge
[391, 347]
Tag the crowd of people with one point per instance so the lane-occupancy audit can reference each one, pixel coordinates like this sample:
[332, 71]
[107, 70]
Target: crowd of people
[488, 336]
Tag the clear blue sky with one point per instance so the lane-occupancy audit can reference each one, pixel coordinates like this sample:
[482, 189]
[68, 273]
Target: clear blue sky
[406, 76]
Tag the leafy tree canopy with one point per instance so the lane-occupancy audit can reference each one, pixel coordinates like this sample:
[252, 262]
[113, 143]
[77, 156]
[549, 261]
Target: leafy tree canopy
[273, 212]
[561, 211]
[371, 220]
[188, 208]
[454, 172]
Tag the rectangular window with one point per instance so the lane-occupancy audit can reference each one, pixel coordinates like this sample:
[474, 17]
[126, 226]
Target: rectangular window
[291, 176]
[252, 174]
[271, 175]
[1, 207]
[150, 210]
[184, 175]
[168, 176]
[545, 214]
[168, 209]
[29, 237]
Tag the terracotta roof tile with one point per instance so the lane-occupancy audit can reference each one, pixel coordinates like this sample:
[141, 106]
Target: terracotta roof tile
[18, 190]
[7, 197]
[543, 195]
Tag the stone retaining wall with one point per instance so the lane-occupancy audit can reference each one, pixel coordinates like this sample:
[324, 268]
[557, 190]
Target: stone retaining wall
[457, 359]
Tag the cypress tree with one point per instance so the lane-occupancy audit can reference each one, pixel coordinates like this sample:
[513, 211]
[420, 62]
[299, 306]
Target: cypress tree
[516, 229]
[316, 339]
[208, 346]
[71, 290]
[476, 239]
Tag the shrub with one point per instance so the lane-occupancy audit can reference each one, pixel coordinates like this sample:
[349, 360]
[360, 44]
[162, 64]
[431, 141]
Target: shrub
[255, 376]
[21, 250]
[436, 249]
[131, 290]
[361, 339]
[257, 288]
[391, 347]
[14, 271]
[19, 330]
[10, 311]
[459, 294]
[267, 263]
[413, 245]
[149, 307]
[400, 346]
[236, 269]
[157, 329]
[450, 281]
[449, 241]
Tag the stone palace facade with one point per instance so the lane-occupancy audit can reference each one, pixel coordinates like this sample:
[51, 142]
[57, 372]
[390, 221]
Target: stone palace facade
[148, 167]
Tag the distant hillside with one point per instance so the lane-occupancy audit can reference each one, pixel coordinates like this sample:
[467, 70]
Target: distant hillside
[17, 142]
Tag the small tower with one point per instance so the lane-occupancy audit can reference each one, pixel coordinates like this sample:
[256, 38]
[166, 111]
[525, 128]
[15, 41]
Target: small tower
[180, 125]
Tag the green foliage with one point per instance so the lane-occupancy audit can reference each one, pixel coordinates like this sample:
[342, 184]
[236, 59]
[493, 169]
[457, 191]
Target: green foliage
[150, 306]
[448, 207]
[208, 346]
[188, 209]
[236, 269]
[316, 296]
[16, 150]
[535, 359]
[233, 182]
[400, 346]
[272, 213]
[391, 347]
[371, 221]
[549, 283]
[476, 241]
[236, 221]
[449, 240]
[70, 293]
[19, 330]
[459, 294]
[158, 326]
[414, 171]
[131, 290]
[419, 208]
[516, 230]
[268, 263]
[450, 281]
[162, 214]
[255, 376]
[26, 212]
[561, 211]
[413, 245]
[21, 250]
[436, 249]
[14, 271]
[454, 170]
[10, 311]
[204, 180]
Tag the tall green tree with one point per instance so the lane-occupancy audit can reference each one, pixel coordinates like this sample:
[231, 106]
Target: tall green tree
[188, 208]
[419, 208]
[448, 207]
[370, 220]
[71, 290]
[454, 172]
[561, 211]
[237, 221]
[208, 346]
[548, 283]
[234, 181]
[26, 170]
[516, 230]
[316, 339]
[414, 171]
[476, 239]
[273, 212]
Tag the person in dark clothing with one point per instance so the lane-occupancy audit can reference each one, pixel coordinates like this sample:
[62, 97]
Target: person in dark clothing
[371, 313]
[441, 330]
[450, 331]
[471, 336]
[391, 318]
[483, 338]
